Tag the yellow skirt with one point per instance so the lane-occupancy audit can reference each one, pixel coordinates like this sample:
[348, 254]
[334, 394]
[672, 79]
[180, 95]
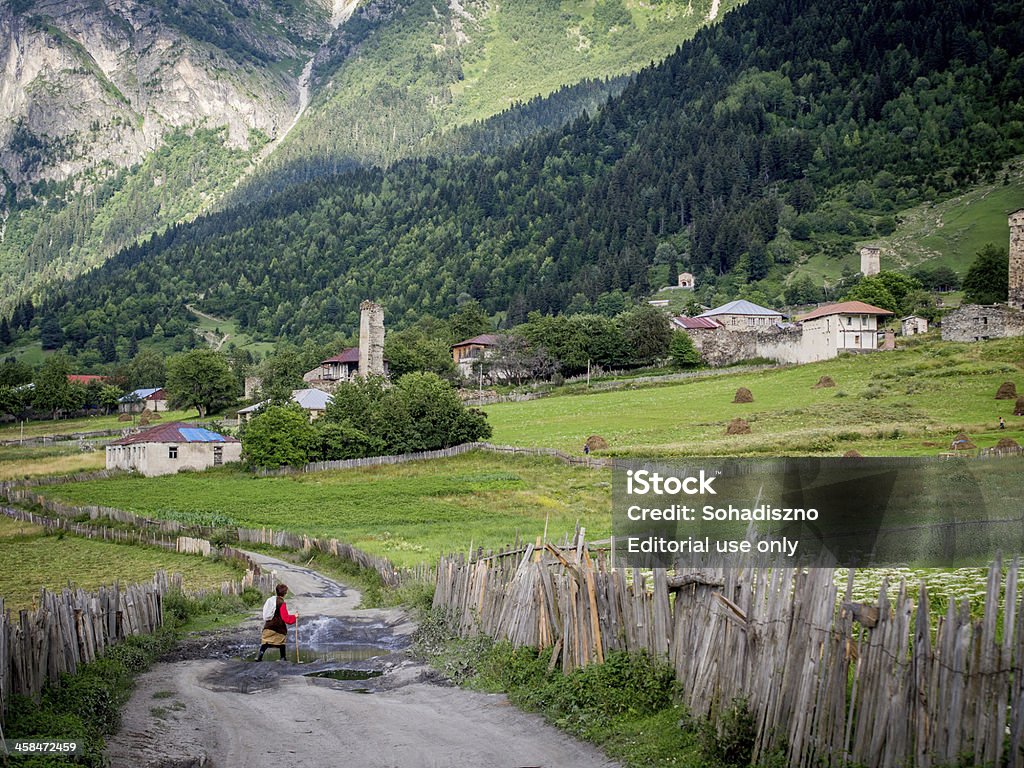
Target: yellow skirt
[273, 638]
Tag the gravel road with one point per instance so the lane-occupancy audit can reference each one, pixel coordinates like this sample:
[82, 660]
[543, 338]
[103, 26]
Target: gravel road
[215, 708]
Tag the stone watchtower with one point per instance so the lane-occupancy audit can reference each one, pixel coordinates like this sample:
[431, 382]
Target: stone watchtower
[870, 260]
[1016, 294]
[371, 339]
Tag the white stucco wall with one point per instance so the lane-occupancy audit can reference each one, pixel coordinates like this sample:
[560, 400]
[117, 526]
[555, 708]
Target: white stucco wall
[152, 459]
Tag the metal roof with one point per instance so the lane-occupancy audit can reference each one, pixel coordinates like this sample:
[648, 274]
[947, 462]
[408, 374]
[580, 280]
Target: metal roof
[845, 308]
[140, 394]
[695, 323]
[483, 340]
[350, 355]
[311, 399]
[175, 432]
[741, 307]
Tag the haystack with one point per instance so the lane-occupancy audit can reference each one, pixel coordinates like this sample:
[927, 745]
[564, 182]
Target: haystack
[125, 417]
[1007, 444]
[962, 442]
[155, 416]
[824, 382]
[144, 417]
[1018, 409]
[743, 395]
[596, 443]
[737, 426]
[852, 454]
[1007, 391]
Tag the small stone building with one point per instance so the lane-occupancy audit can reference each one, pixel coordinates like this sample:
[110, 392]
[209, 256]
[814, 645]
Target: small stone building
[170, 448]
[913, 325]
[687, 281]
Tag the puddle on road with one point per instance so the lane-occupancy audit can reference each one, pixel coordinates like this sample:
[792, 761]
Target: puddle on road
[334, 640]
[348, 674]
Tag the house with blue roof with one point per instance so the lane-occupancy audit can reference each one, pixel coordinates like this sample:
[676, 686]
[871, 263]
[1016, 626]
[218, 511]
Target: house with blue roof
[152, 398]
[170, 448]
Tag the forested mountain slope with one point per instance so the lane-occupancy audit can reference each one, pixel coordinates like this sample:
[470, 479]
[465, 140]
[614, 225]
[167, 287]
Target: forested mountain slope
[790, 120]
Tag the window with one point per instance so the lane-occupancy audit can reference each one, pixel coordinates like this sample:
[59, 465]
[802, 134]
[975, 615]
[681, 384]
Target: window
[218, 456]
[849, 321]
[172, 452]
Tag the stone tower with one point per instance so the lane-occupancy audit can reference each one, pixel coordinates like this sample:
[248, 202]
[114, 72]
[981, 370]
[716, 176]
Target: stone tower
[371, 339]
[870, 258]
[1016, 294]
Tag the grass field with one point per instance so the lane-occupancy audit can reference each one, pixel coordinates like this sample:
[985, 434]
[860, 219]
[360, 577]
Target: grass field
[87, 424]
[908, 402]
[411, 513]
[33, 560]
[59, 459]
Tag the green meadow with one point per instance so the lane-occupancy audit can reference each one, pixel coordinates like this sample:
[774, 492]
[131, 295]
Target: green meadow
[410, 513]
[34, 559]
[910, 402]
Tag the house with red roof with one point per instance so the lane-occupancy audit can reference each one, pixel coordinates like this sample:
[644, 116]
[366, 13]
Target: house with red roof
[170, 448]
[849, 326]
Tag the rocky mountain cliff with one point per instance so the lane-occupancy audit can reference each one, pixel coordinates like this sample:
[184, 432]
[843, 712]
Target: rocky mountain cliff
[122, 116]
[90, 84]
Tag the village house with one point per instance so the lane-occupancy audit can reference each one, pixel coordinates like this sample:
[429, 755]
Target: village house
[687, 281]
[849, 326]
[467, 353]
[153, 399]
[313, 401]
[912, 325]
[743, 315]
[170, 448]
[336, 370]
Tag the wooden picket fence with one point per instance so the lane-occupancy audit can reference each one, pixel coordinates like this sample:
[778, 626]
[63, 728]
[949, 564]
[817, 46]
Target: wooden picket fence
[828, 681]
[74, 627]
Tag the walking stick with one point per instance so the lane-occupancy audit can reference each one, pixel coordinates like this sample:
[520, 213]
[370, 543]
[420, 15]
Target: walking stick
[297, 639]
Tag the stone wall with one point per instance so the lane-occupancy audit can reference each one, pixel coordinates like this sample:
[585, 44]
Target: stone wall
[977, 322]
[371, 339]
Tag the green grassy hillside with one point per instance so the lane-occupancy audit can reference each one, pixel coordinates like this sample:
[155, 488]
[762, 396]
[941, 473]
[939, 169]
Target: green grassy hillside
[947, 233]
[908, 402]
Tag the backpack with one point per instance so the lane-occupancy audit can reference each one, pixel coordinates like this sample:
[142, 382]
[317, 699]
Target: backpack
[270, 608]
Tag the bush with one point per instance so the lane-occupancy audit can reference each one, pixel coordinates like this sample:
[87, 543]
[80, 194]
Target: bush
[279, 436]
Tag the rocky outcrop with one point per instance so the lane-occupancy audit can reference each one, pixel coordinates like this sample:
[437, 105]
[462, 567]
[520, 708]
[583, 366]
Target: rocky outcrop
[88, 85]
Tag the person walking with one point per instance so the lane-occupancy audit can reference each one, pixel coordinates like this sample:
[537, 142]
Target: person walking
[1002, 423]
[276, 620]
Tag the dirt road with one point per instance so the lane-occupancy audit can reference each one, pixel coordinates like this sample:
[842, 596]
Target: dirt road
[214, 707]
